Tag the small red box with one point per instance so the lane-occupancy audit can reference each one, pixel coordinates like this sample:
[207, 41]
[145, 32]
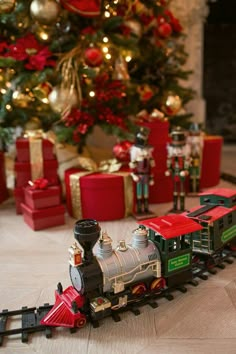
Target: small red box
[43, 218]
[23, 172]
[19, 198]
[100, 196]
[42, 198]
[3, 186]
[211, 160]
[23, 150]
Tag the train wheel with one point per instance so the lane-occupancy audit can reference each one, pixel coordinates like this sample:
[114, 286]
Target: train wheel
[139, 289]
[157, 284]
[81, 322]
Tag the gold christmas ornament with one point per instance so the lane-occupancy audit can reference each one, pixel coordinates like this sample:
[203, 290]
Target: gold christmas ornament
[62, 99]
[22, 99]
[42, 91]
[33, 124]
[7, 6]
[172, 103]
[46, 12]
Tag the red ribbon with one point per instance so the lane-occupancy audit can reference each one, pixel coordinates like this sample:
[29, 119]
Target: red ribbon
[39, 183]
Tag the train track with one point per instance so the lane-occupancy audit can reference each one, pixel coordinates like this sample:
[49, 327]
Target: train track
[30, 322]
[31, 316]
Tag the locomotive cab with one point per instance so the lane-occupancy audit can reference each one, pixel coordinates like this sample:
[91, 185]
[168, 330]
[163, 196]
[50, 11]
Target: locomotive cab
[172, 234]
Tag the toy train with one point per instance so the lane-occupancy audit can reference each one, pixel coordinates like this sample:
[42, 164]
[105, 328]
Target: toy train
[166, 252]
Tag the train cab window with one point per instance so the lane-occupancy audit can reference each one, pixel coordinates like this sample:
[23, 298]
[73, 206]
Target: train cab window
[221, 223]
[173, 244]
[206, 200]
[230, 218]
[158, 238]
[184, 242]
[221, 201]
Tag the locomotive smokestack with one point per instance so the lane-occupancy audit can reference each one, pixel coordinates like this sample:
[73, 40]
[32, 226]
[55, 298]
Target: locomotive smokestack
[87, 232]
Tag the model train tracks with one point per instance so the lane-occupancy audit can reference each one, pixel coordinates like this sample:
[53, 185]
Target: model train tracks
[31, 317]
[30, 322]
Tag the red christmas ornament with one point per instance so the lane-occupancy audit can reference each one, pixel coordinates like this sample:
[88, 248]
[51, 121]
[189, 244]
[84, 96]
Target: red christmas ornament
[164, 30]
[91, 8]
[121, 151]
[93, 56]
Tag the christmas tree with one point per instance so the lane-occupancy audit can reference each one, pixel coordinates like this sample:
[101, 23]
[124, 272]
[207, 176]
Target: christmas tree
[70, 65]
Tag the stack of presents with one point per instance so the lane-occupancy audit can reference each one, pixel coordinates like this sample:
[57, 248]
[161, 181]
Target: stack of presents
[37, 189]
[94, 194]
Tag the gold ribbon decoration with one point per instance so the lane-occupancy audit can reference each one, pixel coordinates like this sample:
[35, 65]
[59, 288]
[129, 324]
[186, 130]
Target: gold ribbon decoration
[75, 192]
[36, 152]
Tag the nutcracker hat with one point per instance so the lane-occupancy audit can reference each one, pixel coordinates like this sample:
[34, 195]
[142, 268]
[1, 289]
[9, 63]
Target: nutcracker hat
[141, 137]
[178, 137]
[194, 129]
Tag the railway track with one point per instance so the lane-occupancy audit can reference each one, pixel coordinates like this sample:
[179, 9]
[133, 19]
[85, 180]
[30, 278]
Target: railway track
[30, 322]
[30, 317]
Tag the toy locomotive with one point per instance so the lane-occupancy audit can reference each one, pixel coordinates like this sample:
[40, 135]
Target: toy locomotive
[166, 252]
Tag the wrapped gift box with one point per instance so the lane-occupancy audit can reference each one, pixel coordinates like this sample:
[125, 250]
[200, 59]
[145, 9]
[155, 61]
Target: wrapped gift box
[42, 198]
[211, 160]
[19, 196]
[162, 190]
[3, 186]
[100, 196]
[159, 131]
[40, 219]
[23, 171]
[23, 146]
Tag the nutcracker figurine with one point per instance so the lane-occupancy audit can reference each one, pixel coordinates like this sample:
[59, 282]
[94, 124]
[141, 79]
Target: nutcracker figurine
[195, 142]
[141, 163]
[178, 164]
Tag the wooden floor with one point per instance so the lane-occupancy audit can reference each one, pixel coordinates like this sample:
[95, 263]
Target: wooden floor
[201, 321]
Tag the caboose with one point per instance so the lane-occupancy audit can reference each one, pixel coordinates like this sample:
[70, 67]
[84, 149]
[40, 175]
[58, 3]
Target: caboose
[217, 216]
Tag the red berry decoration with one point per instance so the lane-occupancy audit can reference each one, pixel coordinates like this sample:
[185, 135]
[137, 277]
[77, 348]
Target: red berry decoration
[93, 56]
[121, 151]
[164, 30]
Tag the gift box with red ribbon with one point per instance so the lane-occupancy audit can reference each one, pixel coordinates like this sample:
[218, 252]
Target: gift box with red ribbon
[101, 196]
[3, 186]
[39, 198]
[39, 219]
[25, 149]
[25, 171]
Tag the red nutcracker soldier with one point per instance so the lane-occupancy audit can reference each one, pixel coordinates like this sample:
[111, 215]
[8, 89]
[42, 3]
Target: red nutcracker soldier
[178, 164]
[141, 163]
[195, 142]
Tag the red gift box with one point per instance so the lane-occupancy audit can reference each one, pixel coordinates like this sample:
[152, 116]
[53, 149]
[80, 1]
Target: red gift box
[42, 198]
[40, 219]
[100, 196]
[3, 186]
[23, 149]
[159, 131]
[19, 196]
[162, 190]
[211, 159]
[24, 173]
